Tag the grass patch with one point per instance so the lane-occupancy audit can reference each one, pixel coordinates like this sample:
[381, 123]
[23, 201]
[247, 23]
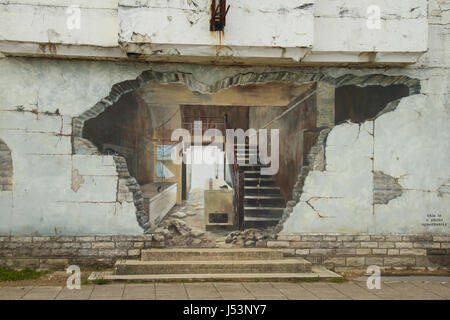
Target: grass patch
[307, 280]
[339, 280]
[100, 282]
[25, 274]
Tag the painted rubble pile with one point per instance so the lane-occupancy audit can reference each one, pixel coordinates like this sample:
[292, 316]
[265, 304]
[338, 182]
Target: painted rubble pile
[250, 238]
[176, 232]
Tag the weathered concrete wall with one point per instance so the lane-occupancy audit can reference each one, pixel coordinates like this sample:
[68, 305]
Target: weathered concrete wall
[53, 92]
[402, 144]
[160, 22]
[409, 145]
[54, 191]
[54, 22]
[288, 32]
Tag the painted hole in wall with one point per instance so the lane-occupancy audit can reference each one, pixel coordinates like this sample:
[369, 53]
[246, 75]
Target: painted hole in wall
[147, 115]
[139, 126]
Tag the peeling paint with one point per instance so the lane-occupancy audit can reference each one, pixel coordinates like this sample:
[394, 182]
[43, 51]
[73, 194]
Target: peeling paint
[137, 37]
[385, 188]
[77, 180]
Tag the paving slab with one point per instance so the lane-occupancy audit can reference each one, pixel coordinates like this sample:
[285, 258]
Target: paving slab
[233, 291]
[202, 291]
[110, 291]
[13, 293]
[271, 298]
[84, 293]
[42, 293]
[139, 292]
[170, 291]
[294, 291]
[437, 288]
[263, 290]
[385, 292]
[354, 291]
[419, 278]
[412, 292]
[324, 291]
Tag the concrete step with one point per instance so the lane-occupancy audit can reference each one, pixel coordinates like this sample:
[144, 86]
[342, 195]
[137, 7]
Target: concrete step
[264, 202]
[213, 254]
[253, 166]
[256, 188]
[130, 267]
[263, 182]
[317, 273]
[267, 208]
[262, 221]
[264, 197]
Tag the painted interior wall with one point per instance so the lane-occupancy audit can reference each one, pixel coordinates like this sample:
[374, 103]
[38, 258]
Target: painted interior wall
[127, 129]
[207, 163]
[291, 126]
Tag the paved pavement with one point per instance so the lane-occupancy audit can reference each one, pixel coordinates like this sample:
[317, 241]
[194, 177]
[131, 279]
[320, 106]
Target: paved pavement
[398, 288]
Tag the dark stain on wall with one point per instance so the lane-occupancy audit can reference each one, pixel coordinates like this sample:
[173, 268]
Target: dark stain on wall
[359, 104]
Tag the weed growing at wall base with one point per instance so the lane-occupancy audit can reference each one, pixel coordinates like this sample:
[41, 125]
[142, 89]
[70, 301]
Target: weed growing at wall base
[25, 274]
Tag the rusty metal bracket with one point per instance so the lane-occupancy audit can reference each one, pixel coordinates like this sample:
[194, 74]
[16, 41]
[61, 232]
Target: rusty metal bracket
[218, 15]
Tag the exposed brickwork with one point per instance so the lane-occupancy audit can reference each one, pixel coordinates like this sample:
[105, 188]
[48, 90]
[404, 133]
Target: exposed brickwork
[57, 252]
[333, 251]
[351, 251]
[83, 146]
[6, 168]
[128, 184]
[385, 188]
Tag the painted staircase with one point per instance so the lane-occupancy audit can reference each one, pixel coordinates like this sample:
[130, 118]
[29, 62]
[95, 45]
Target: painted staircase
[186, 264]
[263, 203]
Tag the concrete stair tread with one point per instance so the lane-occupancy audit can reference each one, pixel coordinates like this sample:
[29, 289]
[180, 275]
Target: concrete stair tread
[208, 254]
[261, 219]
[274, 197]
[250, 165]
[264, 208]
[316, 272]
[125, 267]
[262, 188]
[211, 262]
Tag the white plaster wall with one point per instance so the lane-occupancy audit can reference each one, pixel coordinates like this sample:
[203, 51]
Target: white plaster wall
[411, 144]
[50, 85]
[45, 21]
[248, 23]
[43, 200]
[341, 25]
[289, 31]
